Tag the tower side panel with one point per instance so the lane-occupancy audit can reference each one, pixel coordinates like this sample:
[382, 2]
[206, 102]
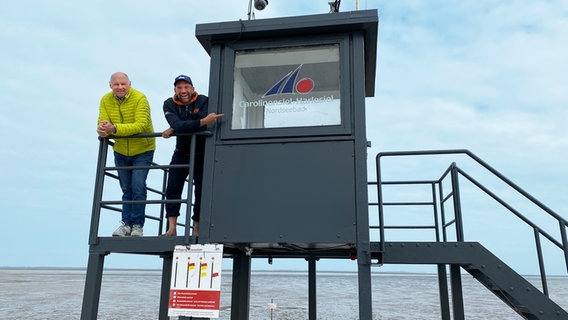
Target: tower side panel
[284, 192]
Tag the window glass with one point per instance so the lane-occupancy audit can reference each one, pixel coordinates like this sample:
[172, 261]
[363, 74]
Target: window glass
[286, 87]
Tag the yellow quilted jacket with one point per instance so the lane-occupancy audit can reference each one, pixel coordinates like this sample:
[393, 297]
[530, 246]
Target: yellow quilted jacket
[132, 116]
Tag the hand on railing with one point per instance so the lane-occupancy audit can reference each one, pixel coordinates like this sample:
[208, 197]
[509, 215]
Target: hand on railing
[105, 128]
[167, 133]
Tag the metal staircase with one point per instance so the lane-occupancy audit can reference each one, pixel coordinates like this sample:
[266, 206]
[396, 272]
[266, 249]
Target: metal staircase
[494, 274]
[503, 281]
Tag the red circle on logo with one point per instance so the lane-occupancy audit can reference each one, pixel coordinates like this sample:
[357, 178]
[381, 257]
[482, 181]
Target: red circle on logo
[305, 85]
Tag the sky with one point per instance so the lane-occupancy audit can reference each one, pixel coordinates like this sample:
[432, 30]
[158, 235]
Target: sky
[487, 76]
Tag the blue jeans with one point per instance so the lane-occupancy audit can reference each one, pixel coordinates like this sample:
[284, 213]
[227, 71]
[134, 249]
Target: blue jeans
[133, 185]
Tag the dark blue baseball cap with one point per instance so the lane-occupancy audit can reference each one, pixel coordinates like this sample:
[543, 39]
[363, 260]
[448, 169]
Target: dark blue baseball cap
[183, 77]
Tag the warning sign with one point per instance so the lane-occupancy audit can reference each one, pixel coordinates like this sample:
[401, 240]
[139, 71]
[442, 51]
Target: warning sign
[196, 281]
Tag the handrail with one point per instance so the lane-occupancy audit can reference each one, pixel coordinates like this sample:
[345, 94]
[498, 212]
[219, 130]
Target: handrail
[454, 171]
[103, 170]
[158, 134]
[482, 163]
[513, 210]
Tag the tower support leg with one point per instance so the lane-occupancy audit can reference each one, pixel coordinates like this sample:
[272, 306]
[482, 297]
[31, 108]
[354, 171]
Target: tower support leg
[92, 292]
[240, 297]
[312, 297]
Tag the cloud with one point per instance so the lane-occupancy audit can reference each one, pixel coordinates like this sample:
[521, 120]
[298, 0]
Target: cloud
[489, 77]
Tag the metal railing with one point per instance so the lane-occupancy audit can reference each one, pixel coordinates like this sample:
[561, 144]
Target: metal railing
[106, 171]
[439, 199]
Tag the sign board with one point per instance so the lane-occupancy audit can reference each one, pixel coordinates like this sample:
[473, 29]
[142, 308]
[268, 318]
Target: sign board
[195, 289]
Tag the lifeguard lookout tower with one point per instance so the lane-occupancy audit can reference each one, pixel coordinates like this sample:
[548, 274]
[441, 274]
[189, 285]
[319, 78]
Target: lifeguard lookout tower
[286, 170]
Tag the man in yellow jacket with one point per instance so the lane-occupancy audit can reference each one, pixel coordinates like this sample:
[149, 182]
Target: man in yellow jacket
[125, 111]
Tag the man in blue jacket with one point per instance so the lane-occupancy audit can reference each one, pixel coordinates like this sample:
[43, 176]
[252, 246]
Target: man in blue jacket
[185, 112]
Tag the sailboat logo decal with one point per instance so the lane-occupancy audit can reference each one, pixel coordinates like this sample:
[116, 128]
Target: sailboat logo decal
[289, 85]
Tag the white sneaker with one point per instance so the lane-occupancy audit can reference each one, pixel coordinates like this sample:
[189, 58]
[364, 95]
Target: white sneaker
[137, 231]
[122, 231]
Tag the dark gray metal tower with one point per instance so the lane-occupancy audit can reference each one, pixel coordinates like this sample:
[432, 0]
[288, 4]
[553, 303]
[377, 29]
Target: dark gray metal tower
[286, 171]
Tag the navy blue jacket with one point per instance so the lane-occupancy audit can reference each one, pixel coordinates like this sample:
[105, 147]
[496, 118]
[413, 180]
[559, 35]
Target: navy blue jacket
[184, 119]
